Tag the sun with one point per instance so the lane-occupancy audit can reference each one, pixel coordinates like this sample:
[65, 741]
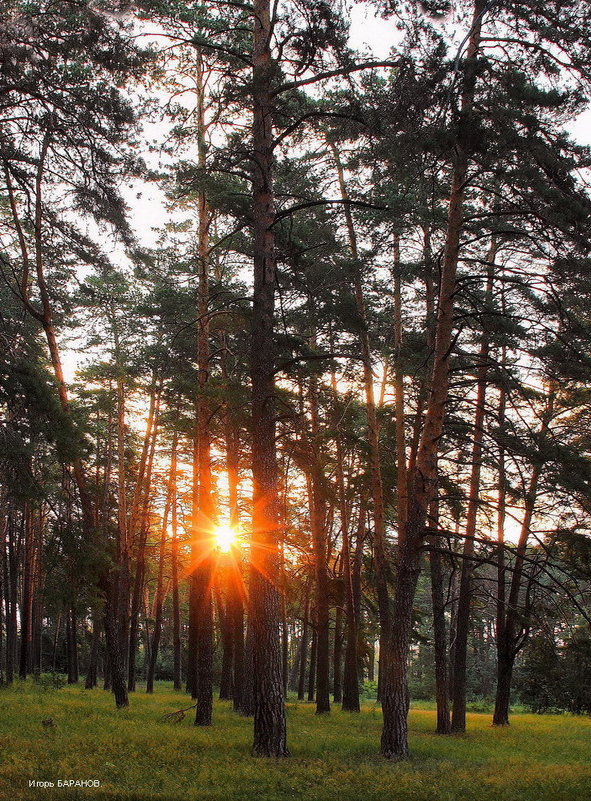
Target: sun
[225, 537]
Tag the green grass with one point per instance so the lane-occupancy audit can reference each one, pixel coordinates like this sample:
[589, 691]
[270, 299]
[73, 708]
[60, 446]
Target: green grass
[138, 757]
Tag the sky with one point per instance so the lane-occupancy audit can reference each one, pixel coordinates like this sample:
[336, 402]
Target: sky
[370, 34]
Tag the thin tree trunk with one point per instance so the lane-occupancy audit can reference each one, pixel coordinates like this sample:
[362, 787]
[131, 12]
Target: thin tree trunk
[317, 505]
[305, 638]
[92, 672]
[508, 646]
[401, 472]
[350, 683]
[227, 632]
[27, 593]
[160, 580]
[10, 598]
[247, 700]
[235, 584]
[377, 492]
[501, 714]
[130, 633]
[313, 658]
[458, 721]
[337, 661]
[439, 627]
[176, 611]
[284, 628]
[203, 523]
[75, 663]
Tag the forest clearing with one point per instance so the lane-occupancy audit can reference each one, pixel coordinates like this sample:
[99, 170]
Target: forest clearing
[138, 757]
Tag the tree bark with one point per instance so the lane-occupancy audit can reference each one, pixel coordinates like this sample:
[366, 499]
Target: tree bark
[458, 721]
[204, 522]
[439, 627]
[394, 743]
[247, 700]
[377, 491]
[509, 639]
[337, 661]
[305, 638]
[160, 580]
[92, 672]
[270, 734]
[227, 632]
[401, 470]
[317, 506]
[27, 592]
[129, 625]
[313, 657]
[176, 609]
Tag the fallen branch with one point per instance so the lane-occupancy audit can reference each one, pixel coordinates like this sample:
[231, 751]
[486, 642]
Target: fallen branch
[176, 717]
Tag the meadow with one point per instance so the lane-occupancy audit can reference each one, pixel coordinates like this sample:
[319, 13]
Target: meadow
[138, 756]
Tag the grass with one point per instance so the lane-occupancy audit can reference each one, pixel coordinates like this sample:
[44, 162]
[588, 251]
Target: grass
[138, 757]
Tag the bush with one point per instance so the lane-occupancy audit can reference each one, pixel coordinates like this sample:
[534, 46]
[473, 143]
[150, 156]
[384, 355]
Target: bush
[369, 689]
[49, 681]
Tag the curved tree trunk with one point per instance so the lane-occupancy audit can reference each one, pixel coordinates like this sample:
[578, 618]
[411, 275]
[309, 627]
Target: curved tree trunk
[394, 742]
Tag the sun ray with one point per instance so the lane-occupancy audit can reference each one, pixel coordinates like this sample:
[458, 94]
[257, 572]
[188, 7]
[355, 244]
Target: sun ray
[225, 538]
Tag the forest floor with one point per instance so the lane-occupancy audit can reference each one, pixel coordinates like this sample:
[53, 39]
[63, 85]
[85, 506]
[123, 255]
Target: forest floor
[136, 756]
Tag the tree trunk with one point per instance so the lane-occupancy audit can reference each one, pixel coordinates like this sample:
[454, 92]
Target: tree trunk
[92, 672]
[501, 713]
[350, 684]
[377, 492]
[160, 581]
[247, 701]
[313, 657]
[284, 628]
[75, 655]
[130, 632]
[270, 734]
[176, 611]
[439, 628]
[235, 585]
[458, 721]
[27, 593]
[10, 599]
[508, 643]
[227, 632]
[395, 691]
[305, 638]
[401, 471]
[337, 662]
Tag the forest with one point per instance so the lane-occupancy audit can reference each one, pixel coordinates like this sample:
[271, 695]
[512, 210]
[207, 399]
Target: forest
[295, 367]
